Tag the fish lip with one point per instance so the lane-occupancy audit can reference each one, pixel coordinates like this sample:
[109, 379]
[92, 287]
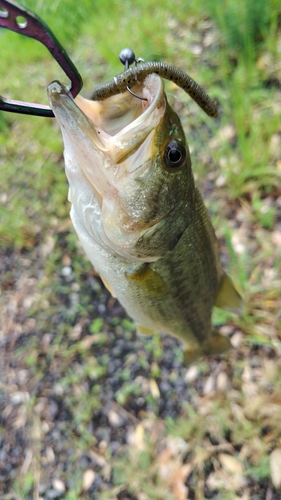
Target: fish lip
[78, 129]
[63, 106]
[60, 97]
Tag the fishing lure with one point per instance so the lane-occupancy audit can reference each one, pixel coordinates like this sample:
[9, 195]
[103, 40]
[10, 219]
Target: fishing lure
[142, 69]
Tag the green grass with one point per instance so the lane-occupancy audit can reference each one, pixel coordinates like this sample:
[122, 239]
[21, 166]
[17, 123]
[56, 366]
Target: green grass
[243, 25]
[240, 66]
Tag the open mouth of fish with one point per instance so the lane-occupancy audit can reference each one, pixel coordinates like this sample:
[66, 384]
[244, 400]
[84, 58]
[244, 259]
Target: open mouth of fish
[109, 139]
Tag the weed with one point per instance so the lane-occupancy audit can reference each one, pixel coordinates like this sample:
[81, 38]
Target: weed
[243, 24]
[96, 325]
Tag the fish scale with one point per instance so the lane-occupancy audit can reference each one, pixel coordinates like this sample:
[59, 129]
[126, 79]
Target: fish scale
[192, 276]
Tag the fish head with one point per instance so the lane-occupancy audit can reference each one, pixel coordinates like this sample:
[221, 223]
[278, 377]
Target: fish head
[128, 167]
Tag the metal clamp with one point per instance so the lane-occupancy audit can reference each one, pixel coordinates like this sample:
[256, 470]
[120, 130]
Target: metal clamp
[16, 18]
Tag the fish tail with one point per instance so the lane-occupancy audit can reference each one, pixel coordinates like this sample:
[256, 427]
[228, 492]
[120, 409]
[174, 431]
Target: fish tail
[218, 344]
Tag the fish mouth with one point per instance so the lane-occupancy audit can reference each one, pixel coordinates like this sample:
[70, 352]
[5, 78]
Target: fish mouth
[107, 140]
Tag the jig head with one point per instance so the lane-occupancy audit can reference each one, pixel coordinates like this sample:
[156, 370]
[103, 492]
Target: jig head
[127, 57]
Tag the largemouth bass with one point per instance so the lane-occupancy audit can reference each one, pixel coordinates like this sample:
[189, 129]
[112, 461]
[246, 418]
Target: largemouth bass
[139, 216]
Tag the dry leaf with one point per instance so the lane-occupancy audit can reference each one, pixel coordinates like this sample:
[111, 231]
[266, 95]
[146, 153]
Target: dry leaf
[215, 480]
[50, 455]
[232, 473]
[192, 374]
[209, 385]
[154, 389]
[97, 459]
[87, 342]
[176, 445]
[222, 382]
[231, 464]
[236, 339]
[139, 435]
[173, 473]
[179, 487]
[27, 462]
[164, 456]
[275, 467]
[136, 437]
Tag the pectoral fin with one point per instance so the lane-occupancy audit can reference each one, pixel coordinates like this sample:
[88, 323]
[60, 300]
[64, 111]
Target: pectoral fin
[149, 280]
[228, 298]
[144, 330]
[108, 286]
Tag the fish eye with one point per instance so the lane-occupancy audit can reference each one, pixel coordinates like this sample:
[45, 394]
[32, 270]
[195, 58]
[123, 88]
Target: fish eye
[174, 155]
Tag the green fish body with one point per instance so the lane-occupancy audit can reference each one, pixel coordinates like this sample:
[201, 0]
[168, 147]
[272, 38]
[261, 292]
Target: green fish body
[140, 217]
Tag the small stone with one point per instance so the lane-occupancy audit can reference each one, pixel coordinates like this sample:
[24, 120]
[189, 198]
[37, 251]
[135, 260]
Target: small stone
[276, 238]
[196, 49]
[28, 301]
[221, 181]
[66, 271]
[226, 329]
[275, 145]
[45, 428]
[58, 485]
[22, 376]
[52, 494]
[236, 339]
[76, 331]
[114, 419]
[222, 382]
[50, 455]
[103, 445]
[58, 389]
[88, 479]
[66, 260]
[238, 242]
[209, 385]
[18, 397]
[227, 133]
[191, 374]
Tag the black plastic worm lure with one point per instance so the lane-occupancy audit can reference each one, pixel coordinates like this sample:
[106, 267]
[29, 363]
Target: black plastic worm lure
[139, 72]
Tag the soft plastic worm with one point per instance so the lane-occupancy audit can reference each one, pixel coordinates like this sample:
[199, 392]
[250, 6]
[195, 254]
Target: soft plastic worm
[139, 73]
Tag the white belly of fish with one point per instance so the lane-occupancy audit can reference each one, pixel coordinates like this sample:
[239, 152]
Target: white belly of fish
[112, 269]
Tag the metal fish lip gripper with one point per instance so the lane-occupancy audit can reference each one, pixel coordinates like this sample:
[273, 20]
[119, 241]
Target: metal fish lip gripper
[16, 18]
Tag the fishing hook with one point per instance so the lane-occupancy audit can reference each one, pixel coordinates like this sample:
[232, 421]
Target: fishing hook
[127, 57]
[139, 72]
[16, 18]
